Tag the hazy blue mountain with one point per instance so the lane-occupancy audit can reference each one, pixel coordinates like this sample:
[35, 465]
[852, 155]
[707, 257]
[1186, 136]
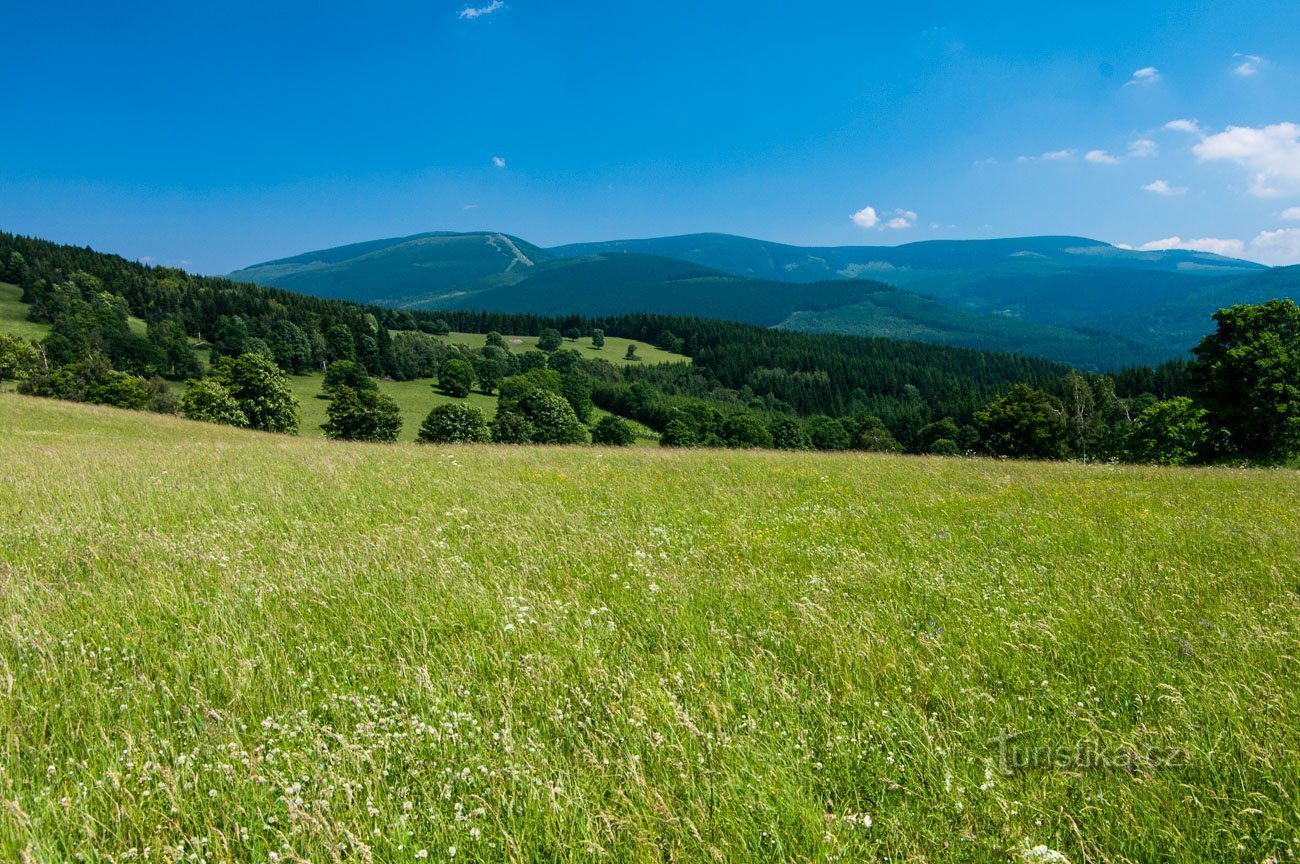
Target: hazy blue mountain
[1070, 299]
[1059, 280]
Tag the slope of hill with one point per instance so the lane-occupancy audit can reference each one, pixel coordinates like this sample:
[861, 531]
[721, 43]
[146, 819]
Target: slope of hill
[731, 656]
[1170, 326]
[389, 271]
[855, 307]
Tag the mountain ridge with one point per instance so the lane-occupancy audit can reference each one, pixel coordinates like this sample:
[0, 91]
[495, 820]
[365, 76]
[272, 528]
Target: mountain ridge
[1071, 299]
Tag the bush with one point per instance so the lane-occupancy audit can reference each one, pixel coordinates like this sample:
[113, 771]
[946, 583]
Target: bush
[539, 417]
[944, 447]
[362, 415]
[119, 390]
[455, 423]
[261, 391]
[347, 373]
[549, 340]
[1169, 433]
[613, 431]
[874, 437]
[456, 377]
[745, 430]
[208, 401]
[787, 434]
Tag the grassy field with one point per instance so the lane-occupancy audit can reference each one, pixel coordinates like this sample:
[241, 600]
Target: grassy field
[219, 645]
[13, 315]
[416, 399]
[614, 350]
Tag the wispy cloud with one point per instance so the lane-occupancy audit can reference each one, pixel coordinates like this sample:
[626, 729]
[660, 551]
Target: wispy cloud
[1271, 153]
[1291, 214]
[1100, 157]
[1278, 248]
[1164, 190]
[902, 219]
[1249, 65]
[498, 162]
[1189, 126]
[1231, 248]
[1143, 148]
[1143, 77]
[1050, 156]
[469, 13]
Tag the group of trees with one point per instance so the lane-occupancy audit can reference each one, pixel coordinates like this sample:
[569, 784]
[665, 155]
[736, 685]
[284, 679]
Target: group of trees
[120, 331]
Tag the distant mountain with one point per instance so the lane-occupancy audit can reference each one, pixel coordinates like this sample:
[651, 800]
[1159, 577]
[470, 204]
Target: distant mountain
[389, 272]
[1069, 299]
[1057, 280]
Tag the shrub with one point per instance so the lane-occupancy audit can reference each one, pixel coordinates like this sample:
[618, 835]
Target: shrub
[613, 431]
[261, 391]
[209, 401]
[362, 415]
[454, 423]
[347, 373]
[456, 377]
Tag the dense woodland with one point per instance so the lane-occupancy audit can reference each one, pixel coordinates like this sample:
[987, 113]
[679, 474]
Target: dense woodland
[747, 386]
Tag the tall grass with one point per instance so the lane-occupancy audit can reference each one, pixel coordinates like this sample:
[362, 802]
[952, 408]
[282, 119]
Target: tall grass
[224, 646]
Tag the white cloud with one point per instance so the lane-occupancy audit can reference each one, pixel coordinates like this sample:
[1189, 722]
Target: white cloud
[866, 218]
[1291, 214]
[469, 13]
[470, 207]
[985, 163]
[1163, 189]
[1248, 66]
[1143, 148]
[1279, 248]
[498, 162]
[1189, 126]
[1144, 76]
[1231, 248]
[1272, 153]
[902, 219]
[1100, 157]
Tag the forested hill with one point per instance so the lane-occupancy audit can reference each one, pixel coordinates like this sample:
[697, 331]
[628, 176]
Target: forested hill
[86, 295]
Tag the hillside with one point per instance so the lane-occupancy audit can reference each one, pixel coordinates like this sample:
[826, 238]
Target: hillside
[1069, 299]
[388, 271]
[349, 652]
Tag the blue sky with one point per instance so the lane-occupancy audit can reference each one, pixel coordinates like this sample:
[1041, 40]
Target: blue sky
[213, 136]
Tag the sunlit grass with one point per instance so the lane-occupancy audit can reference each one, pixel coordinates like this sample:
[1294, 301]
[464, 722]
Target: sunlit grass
[13, 315]
[614, 349]
[228, 645]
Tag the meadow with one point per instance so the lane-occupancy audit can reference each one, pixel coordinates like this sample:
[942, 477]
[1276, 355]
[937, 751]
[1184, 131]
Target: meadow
[220, 645]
